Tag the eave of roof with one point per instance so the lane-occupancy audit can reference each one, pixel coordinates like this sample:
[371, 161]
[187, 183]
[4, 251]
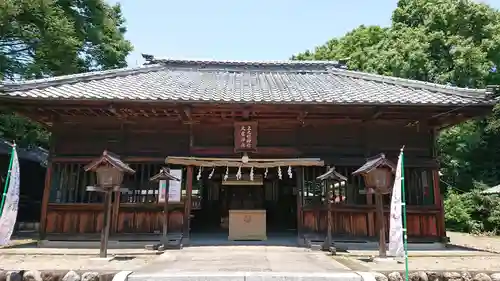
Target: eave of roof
[40, 89]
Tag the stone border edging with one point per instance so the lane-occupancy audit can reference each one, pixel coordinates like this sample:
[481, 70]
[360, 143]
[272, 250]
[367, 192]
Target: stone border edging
[367, 276]
[122, 276]
[57, 275]
[76, 253]
[438, 276]
[248, 276]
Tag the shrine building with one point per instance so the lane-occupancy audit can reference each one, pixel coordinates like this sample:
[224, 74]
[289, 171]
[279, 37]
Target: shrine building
[245, 138]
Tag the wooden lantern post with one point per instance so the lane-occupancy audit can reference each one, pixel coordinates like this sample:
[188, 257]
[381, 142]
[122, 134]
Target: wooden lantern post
[377, 173]
[109, 170]
[164, 175]
[329, 179]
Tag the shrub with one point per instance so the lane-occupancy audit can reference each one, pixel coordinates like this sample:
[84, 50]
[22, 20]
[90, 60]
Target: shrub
[472, 211]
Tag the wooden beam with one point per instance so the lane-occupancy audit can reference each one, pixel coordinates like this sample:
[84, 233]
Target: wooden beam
[301, 118]
[114, 111]
[246, 114]
[376, 113]
[262, 117]
[87, 159]
[185, 114]
[237, 162]
[229, 150]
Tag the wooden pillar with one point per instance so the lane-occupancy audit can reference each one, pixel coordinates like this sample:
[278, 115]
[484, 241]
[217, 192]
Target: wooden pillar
[47, 186]
[166, 214]
[45, 200]
[438, 202]
[187, 202]
[115, 212]
[300, 188]
[369, 196]
[329, 210]
[103, 251]
[379, 203]
[371, 215]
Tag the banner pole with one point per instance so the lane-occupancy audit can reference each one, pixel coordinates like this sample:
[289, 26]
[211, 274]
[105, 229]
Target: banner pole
[403, 199]
[9, 171]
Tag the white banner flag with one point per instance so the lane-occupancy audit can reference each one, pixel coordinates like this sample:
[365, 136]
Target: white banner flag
[9, 213]
[396, 246]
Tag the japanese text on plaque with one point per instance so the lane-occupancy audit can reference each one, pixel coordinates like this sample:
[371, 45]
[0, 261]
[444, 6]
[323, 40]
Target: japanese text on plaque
[246, 136]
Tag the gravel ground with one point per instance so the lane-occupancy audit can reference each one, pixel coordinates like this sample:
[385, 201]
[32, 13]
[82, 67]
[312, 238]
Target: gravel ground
[485, 243]
[486, 263]
[488, 260]
[61, 262]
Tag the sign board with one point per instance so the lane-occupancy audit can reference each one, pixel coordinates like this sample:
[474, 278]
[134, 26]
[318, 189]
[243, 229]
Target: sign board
[245, 136]
[175, 188]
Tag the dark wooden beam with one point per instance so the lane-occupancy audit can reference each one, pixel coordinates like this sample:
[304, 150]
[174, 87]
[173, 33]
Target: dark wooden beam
[186, 115]
[115, 112]
[229, 150]
[376, 113]
[246, 114]
[301, 118]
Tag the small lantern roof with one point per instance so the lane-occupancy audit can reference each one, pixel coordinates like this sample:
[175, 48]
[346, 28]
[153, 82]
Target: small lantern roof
[379, 161]
[164, 174]
[331, 174]
[111, 159]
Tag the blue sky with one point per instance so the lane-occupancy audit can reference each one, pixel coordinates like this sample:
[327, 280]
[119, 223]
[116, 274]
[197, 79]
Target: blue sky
[244, 30]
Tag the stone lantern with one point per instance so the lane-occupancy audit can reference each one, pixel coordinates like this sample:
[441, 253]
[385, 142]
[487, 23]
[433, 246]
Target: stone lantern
[329, 179]
[377, 173]
[164, 175]
[109, 170]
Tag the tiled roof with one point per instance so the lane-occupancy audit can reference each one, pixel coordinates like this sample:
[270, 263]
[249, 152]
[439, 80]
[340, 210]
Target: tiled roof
[287, 82]
[35, 154]
[114, 160]
[373, 163]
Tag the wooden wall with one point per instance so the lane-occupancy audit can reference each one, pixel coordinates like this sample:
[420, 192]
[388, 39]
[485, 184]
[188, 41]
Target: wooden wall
[88, 218]
[338, 143]
[146, 142]
[355, 221]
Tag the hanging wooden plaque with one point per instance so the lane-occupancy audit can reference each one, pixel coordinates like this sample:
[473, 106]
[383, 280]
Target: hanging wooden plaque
[245, 136]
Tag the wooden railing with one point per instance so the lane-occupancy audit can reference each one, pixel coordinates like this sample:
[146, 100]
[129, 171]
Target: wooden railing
[418, 183]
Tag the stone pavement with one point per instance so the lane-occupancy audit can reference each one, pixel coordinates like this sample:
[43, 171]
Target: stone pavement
[244, 259]
[62, 262]
[244, 263]
[73, 252]
[233, 262]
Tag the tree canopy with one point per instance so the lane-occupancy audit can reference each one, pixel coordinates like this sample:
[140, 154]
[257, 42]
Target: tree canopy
[455, 42]
[44, 38]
